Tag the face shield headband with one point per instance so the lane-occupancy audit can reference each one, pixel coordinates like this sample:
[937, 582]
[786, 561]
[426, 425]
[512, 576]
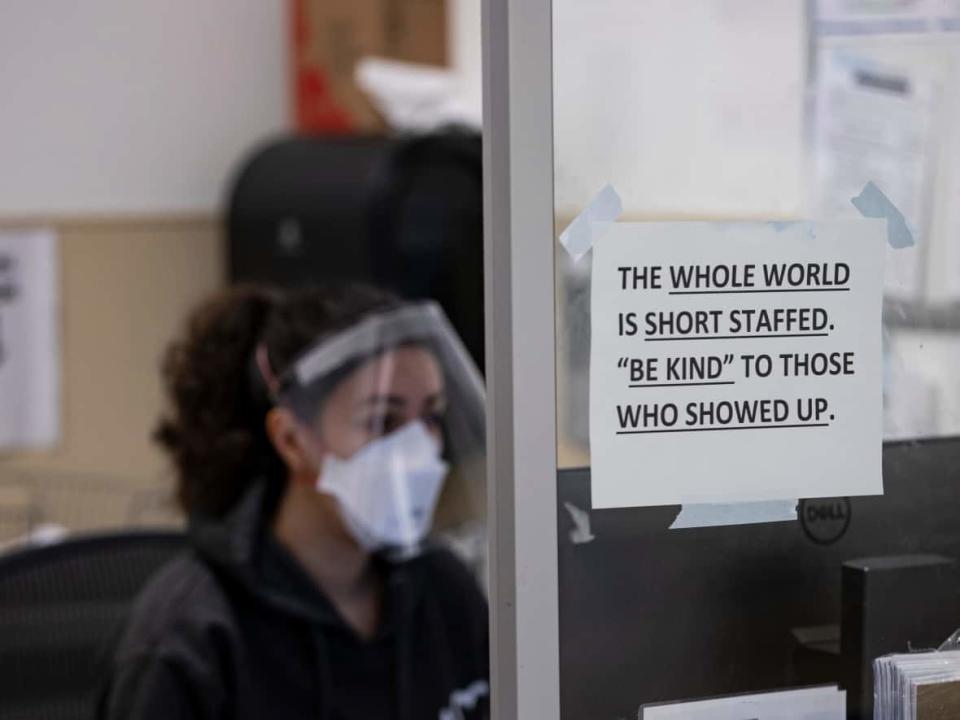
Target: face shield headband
[303, 386]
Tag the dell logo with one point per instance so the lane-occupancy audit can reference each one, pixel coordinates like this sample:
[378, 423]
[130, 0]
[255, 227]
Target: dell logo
[825, 521]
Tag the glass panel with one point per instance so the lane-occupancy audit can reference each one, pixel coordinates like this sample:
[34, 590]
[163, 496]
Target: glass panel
[752, 110]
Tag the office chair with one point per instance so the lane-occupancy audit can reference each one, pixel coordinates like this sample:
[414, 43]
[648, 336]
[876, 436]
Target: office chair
[62, 609]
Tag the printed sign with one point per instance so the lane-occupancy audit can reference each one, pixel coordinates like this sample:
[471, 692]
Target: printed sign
[735, 362]
[29, 348]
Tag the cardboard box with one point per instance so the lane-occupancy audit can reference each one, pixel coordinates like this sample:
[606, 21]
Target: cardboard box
[938, 701]
[330, 36]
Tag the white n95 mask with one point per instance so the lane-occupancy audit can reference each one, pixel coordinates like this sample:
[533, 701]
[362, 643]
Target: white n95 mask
[388, 490]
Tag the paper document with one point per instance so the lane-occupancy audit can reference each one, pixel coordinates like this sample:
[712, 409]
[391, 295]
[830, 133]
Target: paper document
[29, 340]
[821, 703]
[735, 362]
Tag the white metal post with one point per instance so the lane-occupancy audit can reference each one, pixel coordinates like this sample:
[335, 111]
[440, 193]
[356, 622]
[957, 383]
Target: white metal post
[521, 374]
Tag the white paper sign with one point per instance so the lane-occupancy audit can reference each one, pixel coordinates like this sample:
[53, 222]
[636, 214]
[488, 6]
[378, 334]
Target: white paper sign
[876, 124]
[735, 362]
[826, 703]
[29, 347]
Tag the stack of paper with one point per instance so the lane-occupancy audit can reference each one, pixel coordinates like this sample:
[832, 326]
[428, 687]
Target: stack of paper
[919, 686]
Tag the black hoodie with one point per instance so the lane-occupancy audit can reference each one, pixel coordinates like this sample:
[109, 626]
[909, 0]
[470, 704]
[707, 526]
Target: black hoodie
[235, 629]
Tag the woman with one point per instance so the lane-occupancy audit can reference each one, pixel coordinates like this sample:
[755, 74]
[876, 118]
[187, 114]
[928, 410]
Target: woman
[311, 433]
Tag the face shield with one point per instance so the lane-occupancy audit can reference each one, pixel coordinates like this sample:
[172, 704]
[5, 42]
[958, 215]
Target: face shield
[396, 407]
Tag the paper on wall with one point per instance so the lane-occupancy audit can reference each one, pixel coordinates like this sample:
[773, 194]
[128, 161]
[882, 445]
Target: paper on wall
[29, 340]
[875, 123]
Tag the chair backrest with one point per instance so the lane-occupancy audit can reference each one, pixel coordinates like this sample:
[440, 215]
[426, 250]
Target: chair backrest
[62, 609]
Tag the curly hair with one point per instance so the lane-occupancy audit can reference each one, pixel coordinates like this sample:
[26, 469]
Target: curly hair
[214, 428]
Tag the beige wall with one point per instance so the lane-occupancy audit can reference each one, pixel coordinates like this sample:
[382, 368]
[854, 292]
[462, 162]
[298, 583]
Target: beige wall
[130, 161]
[126, 286]
[113, 106]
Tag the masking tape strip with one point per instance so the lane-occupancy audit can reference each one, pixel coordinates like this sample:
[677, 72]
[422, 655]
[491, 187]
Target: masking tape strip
[580, 533]
[748, 513]
[872, 203]
[592, 222]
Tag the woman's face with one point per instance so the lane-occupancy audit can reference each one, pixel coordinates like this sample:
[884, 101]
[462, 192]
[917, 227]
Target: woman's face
[381, 396]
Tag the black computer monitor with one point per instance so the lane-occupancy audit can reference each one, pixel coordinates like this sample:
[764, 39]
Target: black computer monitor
[649, 614]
